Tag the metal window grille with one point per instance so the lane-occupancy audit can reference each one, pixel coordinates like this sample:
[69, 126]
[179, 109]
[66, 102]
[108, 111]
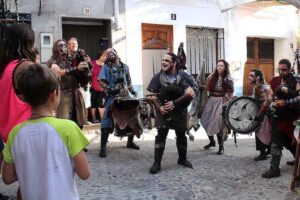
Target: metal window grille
[204, 47]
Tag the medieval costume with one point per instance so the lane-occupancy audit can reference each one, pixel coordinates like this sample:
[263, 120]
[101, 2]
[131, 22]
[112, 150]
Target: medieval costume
[71, 105]
[282, 119]
[171, 87]
[263, 133]
[220, 92]
[116, 81]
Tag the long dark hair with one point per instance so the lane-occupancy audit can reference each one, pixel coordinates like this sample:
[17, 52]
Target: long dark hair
[60, 59]
[18, 44]
[215, 76]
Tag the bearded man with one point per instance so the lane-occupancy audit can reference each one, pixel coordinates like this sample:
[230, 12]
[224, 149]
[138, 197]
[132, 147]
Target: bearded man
[263, 133]
[284, 92]
[114, 76]
[173, 89]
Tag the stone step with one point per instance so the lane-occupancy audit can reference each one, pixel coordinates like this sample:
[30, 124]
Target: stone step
[92, 127]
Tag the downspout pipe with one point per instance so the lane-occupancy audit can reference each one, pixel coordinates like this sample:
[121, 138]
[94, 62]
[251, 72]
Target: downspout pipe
[116, 13]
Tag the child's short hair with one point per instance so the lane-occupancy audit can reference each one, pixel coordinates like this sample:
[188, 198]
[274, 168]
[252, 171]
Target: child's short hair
[36, 83]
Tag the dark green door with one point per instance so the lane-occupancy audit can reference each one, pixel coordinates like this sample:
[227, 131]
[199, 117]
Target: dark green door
[89, 35]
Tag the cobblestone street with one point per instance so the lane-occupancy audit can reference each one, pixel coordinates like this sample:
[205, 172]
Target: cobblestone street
[124, 174]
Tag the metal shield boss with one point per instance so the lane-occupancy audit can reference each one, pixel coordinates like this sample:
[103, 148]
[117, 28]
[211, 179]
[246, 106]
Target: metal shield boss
[240, 114]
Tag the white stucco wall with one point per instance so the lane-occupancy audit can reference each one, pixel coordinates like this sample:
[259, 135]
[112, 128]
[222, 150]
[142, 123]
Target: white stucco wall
[189, 13]
[277, 22]
[238, 19]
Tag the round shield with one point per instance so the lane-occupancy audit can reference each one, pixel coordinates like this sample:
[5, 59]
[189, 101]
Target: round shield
[240, 114]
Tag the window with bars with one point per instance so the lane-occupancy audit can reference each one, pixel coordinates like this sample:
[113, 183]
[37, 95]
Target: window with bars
[204, 47]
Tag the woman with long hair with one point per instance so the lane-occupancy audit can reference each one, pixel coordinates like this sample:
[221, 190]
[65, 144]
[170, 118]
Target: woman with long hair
[220, 87]
[16, 55]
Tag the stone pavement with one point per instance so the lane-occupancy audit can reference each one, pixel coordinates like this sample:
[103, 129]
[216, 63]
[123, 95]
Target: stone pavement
[124, 174]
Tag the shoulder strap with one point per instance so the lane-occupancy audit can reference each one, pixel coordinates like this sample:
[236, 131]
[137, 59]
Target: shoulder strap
[17, 91]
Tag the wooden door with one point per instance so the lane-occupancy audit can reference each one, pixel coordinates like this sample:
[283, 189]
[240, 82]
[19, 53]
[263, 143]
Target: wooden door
[260, 55]
[156, 40]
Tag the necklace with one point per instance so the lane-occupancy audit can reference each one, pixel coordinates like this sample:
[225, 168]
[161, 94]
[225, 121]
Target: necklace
[37, 115]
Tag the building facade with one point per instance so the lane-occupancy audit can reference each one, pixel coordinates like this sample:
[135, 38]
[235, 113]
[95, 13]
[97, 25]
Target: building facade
[247, 33]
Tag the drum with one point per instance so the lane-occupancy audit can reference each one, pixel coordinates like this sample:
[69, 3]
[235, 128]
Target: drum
[240, 113]
[125, 114]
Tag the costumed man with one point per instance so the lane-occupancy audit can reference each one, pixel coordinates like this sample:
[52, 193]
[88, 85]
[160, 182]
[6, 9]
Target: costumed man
[172, 89]
[284, 91]
[113, 77]
[84, 77]
[263, 134]
[71, 105]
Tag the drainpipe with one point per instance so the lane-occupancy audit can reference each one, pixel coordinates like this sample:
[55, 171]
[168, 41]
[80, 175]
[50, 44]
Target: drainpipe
[116, 14]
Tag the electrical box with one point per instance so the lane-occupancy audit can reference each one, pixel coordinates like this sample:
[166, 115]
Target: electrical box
[46, 46]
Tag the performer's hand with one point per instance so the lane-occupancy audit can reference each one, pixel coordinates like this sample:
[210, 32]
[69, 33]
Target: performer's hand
[82, 65]
[162, 110]
[280, 103]
[169, 106]
[87, 59]
[134, 93]
[273, 106]
[190, 91]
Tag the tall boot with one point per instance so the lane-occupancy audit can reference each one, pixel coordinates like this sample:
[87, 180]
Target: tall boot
[261, 156]
[104, 138]
[181, 143]
[274, 170]
[220, 142]
[158, 153]
[293, 150]
[131, 144]
[212, 142]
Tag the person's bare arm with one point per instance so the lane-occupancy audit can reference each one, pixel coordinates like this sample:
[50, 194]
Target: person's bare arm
[57, 70]
[81, 166]
[9, 174]
[61, 72]
[207, 81]
[268, 102]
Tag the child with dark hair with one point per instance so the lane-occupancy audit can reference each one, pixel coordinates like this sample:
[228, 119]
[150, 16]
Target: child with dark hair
[43, 152]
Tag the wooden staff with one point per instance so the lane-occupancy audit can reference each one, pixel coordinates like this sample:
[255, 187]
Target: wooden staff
[295, 183]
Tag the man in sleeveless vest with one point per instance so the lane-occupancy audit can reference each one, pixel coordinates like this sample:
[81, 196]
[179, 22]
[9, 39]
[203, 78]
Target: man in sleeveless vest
[284, 94]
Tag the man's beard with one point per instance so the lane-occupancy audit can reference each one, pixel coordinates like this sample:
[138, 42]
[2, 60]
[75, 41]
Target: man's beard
[285, 76]
[252, 82]
[166, 69]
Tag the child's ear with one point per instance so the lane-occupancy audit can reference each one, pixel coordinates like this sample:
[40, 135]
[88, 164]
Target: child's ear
[53, 95]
